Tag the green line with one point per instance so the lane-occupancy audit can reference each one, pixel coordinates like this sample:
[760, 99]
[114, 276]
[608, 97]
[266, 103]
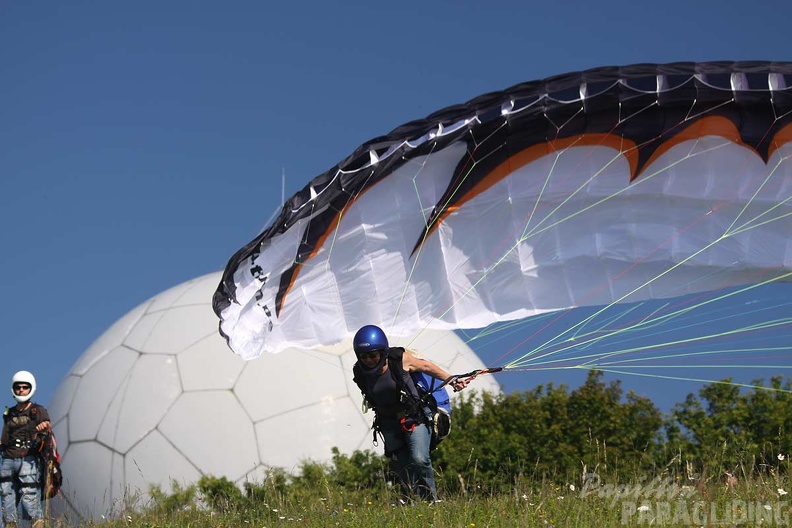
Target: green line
[678, 378]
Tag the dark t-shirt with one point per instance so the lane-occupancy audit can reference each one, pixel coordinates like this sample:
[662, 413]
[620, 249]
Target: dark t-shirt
[19, 430]
[385, 395]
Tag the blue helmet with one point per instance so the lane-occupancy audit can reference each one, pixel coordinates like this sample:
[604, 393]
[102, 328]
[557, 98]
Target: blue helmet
[369, 338]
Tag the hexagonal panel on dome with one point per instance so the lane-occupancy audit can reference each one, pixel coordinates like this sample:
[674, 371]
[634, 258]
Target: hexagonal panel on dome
[209, 364]
[60, 429]
[206, 427]
[199, 291]
[96, 391]
[107, 428]
[310, 433]
[155, 460]
[152, 387]
[192, 321]
[276, 383]
[111, 339]
[139, 334]
[165, 300]
[88, 468]
[64, 394]
[119, 491]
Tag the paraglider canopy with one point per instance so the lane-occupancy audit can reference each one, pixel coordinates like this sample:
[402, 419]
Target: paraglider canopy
[607, 186]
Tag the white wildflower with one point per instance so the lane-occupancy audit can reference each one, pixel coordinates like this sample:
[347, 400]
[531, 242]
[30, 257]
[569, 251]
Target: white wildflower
[782, 492]
[571, 487]
[781, 457]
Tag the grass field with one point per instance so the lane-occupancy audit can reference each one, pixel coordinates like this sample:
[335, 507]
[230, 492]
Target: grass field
[759, 499]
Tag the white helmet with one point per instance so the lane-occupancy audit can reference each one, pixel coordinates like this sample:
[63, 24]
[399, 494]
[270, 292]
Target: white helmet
[23, 376]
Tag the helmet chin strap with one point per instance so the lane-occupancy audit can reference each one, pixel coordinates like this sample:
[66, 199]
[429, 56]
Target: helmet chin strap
[378, 366]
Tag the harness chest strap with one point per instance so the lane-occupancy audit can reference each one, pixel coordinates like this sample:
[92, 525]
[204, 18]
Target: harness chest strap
[404, 385]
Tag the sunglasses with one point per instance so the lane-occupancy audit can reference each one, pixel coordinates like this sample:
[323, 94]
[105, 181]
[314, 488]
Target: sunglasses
[21, 386]
[370, 355]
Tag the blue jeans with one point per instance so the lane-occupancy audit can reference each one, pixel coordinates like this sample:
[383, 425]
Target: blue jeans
[20, 475]
[409, 454]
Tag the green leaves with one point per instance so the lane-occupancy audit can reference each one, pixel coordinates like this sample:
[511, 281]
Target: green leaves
[547, 431]
[731, 426]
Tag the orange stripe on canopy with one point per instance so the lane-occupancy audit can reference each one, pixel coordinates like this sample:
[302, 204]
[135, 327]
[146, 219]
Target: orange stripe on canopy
[781, 138]
[535, 152]
[706, 126]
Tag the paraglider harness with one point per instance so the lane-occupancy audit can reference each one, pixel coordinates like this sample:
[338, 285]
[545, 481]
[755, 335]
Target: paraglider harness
[45, 447]
[51, 476]
[427, 401]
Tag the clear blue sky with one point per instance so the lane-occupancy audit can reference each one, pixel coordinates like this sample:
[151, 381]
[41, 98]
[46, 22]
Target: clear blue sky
[142, 143]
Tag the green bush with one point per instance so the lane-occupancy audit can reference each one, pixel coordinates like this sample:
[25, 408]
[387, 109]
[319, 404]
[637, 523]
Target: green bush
[179, 498]
[220, 493]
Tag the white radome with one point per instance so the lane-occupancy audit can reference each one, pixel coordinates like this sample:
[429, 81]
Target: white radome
[159, 397]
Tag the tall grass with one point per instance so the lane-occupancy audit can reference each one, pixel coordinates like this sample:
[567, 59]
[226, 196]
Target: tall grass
[680, 494]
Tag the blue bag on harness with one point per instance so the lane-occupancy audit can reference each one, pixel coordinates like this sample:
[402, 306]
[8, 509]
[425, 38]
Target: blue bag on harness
[435, 395]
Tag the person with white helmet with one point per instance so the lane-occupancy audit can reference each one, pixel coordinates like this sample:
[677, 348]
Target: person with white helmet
[20, 473]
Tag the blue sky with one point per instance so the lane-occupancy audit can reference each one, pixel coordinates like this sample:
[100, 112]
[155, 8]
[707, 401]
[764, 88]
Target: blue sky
[142, 143]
